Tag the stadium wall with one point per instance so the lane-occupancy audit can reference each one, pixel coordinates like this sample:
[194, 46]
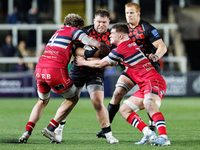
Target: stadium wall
[24, 85]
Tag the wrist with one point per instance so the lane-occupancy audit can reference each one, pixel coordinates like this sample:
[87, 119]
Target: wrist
[156, 56]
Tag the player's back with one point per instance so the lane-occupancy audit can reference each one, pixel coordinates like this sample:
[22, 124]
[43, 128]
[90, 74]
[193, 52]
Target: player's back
[58, 50]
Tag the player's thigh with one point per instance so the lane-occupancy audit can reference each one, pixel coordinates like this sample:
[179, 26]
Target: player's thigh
[137, 100]
[125, 79]
[155, 88]
[42, 85]
[95, 83]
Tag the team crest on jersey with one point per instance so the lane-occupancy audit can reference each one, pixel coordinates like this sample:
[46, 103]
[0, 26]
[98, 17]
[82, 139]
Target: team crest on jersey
[162, 92]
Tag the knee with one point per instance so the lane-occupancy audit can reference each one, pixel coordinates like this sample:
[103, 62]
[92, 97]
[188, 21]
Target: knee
[123, 111]
[42, 102]
[119, 93]
[98, 106]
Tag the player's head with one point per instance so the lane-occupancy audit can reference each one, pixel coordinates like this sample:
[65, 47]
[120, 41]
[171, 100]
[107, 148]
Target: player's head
[132, 11]
[101, 21]
[74, 20]
[119, 32]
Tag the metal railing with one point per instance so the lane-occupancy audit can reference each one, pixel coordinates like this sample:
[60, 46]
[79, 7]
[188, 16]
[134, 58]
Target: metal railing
[41, 27]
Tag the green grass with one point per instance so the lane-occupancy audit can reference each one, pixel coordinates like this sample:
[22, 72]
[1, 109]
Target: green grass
[182, 120]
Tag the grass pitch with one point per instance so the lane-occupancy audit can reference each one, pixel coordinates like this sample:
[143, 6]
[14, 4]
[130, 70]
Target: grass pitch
[182, 117]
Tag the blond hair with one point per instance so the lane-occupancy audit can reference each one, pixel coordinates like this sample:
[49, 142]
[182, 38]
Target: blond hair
[131, 4]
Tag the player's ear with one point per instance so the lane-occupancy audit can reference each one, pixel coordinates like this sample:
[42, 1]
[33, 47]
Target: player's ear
[120, 36]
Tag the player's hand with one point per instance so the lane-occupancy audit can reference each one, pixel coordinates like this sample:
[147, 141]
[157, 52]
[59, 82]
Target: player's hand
[153, 57]
[79, 61]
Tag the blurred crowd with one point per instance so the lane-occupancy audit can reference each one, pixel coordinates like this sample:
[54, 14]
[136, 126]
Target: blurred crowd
[23, 12]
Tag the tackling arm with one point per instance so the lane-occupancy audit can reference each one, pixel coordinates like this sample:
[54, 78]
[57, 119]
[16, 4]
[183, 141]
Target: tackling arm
[94, 63]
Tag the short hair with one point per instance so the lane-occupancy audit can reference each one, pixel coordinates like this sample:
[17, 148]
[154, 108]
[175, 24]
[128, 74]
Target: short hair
[74, 20]
[121, 27]
[131, 4]
[102, 13]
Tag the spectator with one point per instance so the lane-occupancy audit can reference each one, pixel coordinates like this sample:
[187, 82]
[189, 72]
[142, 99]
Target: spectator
[32, 17]
[20, 66]
[23, 51]
[14, 18]
[7, 49]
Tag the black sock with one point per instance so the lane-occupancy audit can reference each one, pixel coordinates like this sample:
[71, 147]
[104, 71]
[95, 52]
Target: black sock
[112, 110]
[50, 128]
[106, 130]
[150, 117]
[62, 122]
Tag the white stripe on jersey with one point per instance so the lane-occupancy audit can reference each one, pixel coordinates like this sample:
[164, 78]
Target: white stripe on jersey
[135, 59]
[131, 60]
[79, 35]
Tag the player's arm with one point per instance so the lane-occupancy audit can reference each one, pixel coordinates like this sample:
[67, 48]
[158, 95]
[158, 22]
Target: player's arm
[161, 50]
[86, 52]
[92, 63]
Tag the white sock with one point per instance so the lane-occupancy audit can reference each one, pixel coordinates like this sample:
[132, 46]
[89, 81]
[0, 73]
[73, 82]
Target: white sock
[147, 131]
[165, 136]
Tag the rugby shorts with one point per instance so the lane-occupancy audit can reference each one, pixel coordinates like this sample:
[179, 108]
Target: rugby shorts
[52, 78]
[156, 86]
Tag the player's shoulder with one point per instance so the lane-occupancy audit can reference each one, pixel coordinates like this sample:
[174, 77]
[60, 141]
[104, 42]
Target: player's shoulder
[145, 24]
[125, 44]
[88, 29]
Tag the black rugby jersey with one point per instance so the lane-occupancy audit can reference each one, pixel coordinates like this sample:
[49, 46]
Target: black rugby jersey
[104, 37]
[144, 34]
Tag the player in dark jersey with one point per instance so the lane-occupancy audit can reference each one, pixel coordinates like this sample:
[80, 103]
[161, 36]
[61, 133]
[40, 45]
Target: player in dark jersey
[152, 86]
[52, 73]
[147, 37]
[94, 78]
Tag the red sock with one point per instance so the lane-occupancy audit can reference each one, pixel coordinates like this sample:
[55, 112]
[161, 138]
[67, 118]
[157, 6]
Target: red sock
[136, 121]
[159, 120]
[30, 126]
[53, 124]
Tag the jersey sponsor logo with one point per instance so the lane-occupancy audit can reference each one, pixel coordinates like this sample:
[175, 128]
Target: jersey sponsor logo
[149, 68]
[51, 52]
[37, 75]
[155, 33]
[43, 76]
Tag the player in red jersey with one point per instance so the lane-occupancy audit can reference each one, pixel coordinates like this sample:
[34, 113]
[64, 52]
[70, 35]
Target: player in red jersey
[52, 73]
[152, 86]
[147, 37]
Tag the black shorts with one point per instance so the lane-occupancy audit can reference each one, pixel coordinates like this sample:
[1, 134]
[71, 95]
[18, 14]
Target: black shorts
[82, 76]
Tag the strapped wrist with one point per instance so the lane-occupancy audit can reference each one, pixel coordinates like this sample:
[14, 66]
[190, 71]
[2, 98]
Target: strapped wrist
[157, 56]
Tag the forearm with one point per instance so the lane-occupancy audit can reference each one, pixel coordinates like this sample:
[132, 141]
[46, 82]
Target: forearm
[161, 50]
[101, 46]
[92, 62]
